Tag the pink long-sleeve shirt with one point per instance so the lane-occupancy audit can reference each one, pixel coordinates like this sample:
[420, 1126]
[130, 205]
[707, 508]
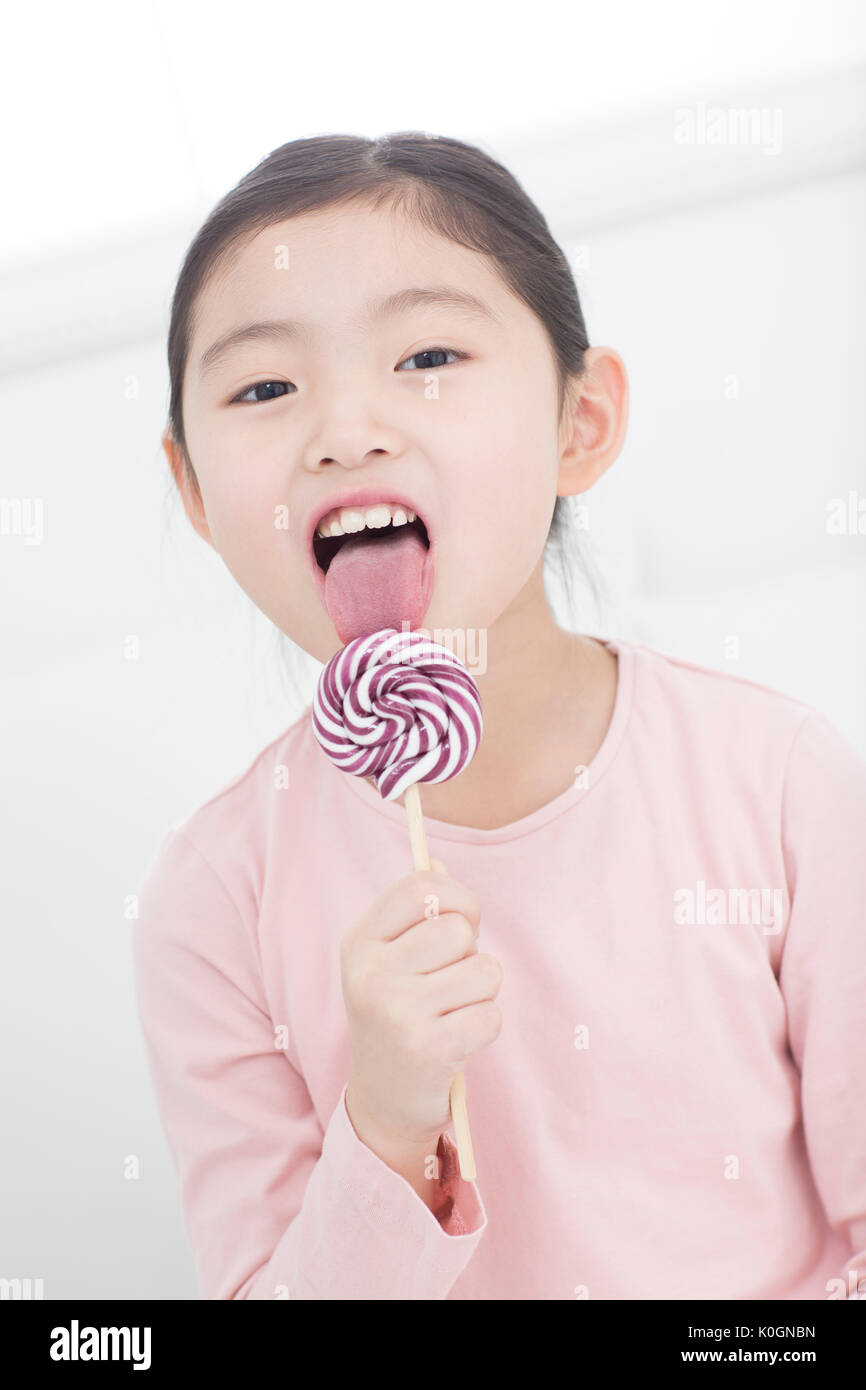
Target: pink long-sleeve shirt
[675, 1106]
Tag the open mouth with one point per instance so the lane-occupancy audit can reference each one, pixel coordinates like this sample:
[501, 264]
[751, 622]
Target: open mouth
[326, 547]
[376, 577]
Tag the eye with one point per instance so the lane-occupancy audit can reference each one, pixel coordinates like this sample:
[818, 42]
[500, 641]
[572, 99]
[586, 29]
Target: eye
[434, 352]
[242, 396]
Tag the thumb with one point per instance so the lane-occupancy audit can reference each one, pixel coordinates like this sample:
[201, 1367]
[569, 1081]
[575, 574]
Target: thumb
[438, 866]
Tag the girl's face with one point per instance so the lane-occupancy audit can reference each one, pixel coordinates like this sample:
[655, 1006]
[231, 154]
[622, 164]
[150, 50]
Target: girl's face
[471, 442]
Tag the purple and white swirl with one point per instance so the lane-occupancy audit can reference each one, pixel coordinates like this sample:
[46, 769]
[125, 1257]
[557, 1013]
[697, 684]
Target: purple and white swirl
[398, 707]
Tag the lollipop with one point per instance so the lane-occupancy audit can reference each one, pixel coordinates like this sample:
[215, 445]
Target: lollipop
[403, 709]
[399, 707]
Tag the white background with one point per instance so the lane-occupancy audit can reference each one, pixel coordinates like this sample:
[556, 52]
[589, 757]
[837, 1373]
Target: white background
[731, 279]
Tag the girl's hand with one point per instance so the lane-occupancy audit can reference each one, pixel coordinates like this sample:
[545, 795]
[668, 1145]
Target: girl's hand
[419, 998]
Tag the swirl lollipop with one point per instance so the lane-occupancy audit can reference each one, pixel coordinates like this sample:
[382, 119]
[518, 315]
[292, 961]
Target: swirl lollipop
[403, 709]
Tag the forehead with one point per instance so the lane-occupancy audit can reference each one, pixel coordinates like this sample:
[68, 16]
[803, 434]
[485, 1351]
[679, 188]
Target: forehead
[326, 265]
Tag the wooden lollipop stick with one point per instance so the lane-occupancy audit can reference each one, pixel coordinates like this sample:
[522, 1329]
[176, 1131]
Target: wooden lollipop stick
[457, 1097]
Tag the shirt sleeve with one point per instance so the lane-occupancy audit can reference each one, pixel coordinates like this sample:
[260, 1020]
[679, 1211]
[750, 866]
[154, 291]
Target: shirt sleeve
[274, 1205]
[822, 972]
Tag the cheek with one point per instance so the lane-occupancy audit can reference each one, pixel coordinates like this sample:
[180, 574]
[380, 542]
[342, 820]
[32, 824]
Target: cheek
[248, 512]
[495, 542]
[504, 490]
[508, 539]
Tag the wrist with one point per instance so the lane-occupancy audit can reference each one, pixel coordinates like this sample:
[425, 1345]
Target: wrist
[376, 1135]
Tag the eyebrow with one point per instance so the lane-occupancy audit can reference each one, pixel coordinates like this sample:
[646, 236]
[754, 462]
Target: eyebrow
[401, 302]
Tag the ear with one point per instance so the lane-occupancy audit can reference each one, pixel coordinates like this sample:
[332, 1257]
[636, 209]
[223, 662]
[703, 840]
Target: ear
[595, 417]
[187, 486]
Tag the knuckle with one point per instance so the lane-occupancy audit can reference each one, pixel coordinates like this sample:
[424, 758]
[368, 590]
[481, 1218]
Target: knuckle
[465, 935]
[460, 937]
[393, 1012]
[493, 1017]
[473, 908]
[362, 978]
[490, 969]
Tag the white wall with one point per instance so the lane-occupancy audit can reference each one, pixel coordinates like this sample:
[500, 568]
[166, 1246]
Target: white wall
[711, 524]
[719, 502]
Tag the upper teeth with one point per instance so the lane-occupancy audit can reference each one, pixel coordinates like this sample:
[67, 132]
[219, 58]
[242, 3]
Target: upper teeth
[340, 520]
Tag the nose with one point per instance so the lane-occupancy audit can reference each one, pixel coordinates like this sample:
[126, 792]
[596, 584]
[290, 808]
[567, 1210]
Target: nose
[349, 429]
[351, 459]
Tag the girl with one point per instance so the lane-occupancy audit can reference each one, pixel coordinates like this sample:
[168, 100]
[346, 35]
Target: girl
[647, 945]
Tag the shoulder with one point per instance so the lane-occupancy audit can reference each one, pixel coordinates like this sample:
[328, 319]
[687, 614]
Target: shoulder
[714, 688]
[753, 729]
[217, 854]
[236, 811]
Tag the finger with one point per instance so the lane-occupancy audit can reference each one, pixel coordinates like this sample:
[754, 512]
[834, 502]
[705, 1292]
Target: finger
[429, 945]
[469, 981]
[417, 897]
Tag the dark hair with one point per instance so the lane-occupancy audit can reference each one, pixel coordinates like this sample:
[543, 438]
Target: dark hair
[451, 187]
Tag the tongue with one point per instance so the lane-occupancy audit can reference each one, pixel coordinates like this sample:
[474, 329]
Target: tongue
[376, 581]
